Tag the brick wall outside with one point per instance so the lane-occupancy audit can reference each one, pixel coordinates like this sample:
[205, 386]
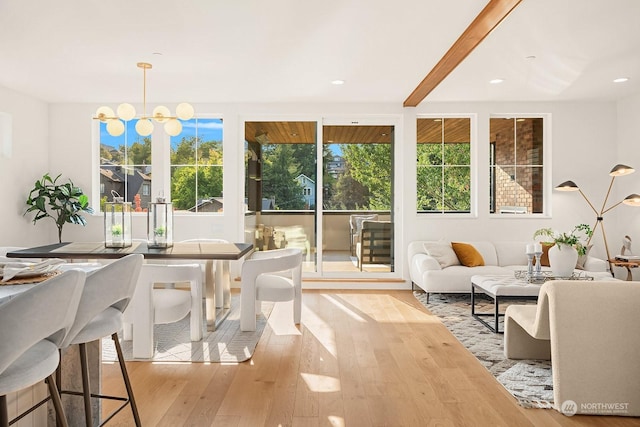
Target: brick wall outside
[518, 171]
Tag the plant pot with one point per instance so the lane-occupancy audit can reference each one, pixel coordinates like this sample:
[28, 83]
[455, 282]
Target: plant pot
[562, 259]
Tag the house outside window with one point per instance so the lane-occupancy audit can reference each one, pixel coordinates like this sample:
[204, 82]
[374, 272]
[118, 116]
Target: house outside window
[125, 166]
[517, 165]
[443, 165]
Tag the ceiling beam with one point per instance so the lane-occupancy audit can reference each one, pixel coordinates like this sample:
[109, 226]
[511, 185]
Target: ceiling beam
[489, 18]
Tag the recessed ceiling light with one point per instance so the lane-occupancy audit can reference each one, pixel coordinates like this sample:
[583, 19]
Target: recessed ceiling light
[496, 81]
[530, 57]
[337, 82]
[157, 53]
[620, 80]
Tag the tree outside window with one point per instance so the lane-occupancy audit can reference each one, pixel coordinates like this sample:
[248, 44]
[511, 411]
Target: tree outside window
[196, 166]
[444, 165]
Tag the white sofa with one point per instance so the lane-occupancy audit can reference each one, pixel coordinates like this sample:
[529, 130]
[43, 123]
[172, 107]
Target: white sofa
[433, 274]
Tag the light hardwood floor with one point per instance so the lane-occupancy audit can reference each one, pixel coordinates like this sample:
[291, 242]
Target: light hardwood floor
[359, 358]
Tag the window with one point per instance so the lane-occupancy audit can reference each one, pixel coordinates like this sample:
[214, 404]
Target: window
[516, 165]
[125, 166]
[196, 166]
[444, 165]
[195, 169]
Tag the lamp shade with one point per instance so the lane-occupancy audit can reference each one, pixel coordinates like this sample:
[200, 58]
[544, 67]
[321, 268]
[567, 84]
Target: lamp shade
[173, 127]
[126, 111]
[144, 127]
[619, 170]
[567, 186]
[184, 111]
[632, 200]
[104, 113]
[115, 127]
[161, 114]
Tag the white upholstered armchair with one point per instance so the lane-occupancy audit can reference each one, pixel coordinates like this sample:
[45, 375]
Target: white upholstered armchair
[270, 276]
[590, 328]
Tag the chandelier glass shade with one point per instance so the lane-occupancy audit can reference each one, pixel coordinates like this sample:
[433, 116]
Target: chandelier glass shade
[144, 126]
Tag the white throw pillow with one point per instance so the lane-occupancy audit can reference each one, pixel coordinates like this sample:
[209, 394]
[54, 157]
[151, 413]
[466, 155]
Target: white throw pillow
[442, 252]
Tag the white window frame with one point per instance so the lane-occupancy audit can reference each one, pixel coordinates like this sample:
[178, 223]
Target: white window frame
[546, 164]
[473, 211]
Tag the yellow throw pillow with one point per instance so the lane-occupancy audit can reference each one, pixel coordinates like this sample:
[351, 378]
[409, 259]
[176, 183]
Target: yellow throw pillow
[544, 258]
[467, 254]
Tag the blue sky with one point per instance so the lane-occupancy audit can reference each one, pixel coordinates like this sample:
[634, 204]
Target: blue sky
[207, 130]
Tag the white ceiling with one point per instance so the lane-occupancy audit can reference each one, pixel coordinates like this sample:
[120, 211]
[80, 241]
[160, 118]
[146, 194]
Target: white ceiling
[290, 50]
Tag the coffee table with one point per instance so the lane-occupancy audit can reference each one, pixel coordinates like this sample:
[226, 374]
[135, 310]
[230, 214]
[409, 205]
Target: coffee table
[500, 288]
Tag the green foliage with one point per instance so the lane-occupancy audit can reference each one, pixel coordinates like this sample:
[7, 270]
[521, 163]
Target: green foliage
[370, 165]
[61, 202]
[184, 190]
[116, 230]
[349, 194]
[140, 153]
[573, 238]
[195, 181]
[444, 177]
[279, 170]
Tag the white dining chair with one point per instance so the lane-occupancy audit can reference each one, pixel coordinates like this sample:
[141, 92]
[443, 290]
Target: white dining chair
[106, 294]
[152, 305]
[274, 275]
[34, 325]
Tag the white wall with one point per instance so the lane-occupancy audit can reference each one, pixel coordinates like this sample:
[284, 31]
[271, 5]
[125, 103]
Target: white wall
[584, 137]
[581, 140]
[27, 163]
[628, 149]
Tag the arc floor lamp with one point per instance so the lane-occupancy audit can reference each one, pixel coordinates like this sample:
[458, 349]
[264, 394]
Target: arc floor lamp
[631, 200]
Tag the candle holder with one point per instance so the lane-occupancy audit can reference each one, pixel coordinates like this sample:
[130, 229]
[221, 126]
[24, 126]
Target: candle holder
[538, 276]
[160, 224]
[530, 257]
[117, 223]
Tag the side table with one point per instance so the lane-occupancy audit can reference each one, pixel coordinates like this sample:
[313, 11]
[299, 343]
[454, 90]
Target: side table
[626, 264]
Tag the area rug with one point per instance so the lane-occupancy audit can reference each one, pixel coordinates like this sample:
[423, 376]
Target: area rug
[173, 344]
[529, 381]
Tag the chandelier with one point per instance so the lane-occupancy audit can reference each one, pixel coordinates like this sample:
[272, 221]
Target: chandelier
[144, 125]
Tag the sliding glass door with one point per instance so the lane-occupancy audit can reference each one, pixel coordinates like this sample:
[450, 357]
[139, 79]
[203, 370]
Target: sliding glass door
[330, 196]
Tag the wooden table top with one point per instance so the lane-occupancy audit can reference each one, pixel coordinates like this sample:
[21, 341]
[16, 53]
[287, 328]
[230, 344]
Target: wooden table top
[96, 250]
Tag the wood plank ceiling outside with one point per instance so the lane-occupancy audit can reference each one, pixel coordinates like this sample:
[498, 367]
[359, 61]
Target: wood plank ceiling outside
[305, 133]
[489, 18]
[281, 132]
[456, 130]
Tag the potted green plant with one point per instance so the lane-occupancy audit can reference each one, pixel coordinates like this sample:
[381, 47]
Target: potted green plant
[563, 256]
[572, 239]
[63, 203]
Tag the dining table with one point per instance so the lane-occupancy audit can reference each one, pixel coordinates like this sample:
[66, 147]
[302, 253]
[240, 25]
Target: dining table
[217, 280]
